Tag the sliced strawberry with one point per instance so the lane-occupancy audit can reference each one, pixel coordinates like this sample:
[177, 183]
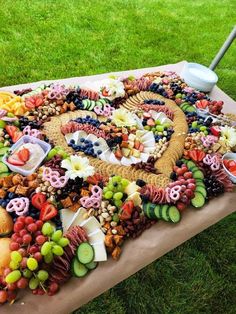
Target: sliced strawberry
[125, 137]
[202, 104]
[200, 155]
[193, 155]
[29, 104]
[16, 136]
[24, 154]
[232, 168]
[118, 154]
[15, 161]
[231, 163]
[215, 131]
[11, 129]
[226, 163]
[47, 212]
[38, 200]
[105, 92]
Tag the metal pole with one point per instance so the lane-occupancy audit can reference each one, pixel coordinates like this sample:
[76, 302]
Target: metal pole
[223, 49]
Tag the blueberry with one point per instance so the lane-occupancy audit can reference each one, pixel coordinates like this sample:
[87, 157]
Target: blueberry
[95, 155]
[1, 200]
[99, 152]
[140, 182]
[96, 144]
[4, 203]
[72, 141]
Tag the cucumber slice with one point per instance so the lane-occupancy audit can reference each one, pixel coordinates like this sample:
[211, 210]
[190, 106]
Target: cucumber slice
[191, 109]
[200, 183]
[145, 208]
[91, 265]
[3, 167]
[164, 209]
[198, 174]
[78, 269]
[4, 150]
[4, 174]
[99, 103]
[86, 103]
[194, 169]
[173, 214]
[157, 211]
[198, 200]
[184, 104]
[151, 211]
[191, 165]
[202, 190]
[92, 105]
[85, 253]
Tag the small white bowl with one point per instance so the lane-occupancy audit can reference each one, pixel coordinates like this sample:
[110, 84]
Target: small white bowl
[198, 76]
[231, 156]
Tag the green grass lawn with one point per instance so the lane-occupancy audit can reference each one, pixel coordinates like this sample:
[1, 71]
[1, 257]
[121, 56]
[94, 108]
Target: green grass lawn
[57, 39]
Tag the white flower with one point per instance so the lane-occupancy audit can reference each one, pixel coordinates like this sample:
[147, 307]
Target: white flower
[122, 117]
[228, 135]
[77, 167]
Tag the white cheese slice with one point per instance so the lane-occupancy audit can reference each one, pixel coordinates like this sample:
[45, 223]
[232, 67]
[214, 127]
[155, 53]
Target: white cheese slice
[96, 236]
[99, 252]
[68, 137]
[126, 161]
[102, 144]
[149, 143]
[135, 160]
[79, 217]
[105, 156]
[78, 135]
[90, 225]
[113, 159]
[144, 157]
[148, 136]
[91, 137]
[66, 218]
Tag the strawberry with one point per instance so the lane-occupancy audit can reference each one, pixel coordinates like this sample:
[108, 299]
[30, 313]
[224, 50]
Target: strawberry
[11, 129]
[24, 154]
[215, 131]
[202, 104]
[16, 136]
[118, 154]
[136, 144]
[125, 137]
[200, 155]
[193, 155]
[15, 161]
[48, 211]
[38, 200]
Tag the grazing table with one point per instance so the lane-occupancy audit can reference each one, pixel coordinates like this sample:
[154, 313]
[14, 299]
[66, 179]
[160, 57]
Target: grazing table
[138, 253]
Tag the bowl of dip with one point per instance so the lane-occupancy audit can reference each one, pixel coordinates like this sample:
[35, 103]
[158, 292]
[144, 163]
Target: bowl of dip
[199, 77]
[38, 151]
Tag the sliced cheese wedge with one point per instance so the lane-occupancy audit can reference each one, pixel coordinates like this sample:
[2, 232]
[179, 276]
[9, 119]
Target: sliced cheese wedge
[68, 137]
[66, 218]
[99, 252]
[78, 135]
[90, 225]
[96, 236]
[79, 217]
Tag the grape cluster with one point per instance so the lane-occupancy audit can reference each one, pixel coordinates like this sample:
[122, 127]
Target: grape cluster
[114, 191]
[213, 186]
[34, 245]
[55, 244]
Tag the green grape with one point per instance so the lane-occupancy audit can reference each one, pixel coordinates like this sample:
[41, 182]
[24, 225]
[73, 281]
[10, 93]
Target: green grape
[108, 195]
[32, 263]
[33, 283]
[46, 248]
[47, 229]
[12, 277]
[115, 217]
[105, 189]
[16, 256]
[63, 242]
[27, 273]
[116, 179]
[125, 182]
[42, 275]
[118, 203]
[57, 250]
[48, 258]
[14, 265]
[56, 236]
[120, 188]
[118, 196]
[110, 187]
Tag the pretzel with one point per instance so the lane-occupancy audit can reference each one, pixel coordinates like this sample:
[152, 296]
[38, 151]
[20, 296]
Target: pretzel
[18, 205]
[54, 178]
[94, 200]
[212, 161]
[32, 132]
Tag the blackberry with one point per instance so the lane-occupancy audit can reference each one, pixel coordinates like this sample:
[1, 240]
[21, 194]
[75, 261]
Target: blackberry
[173, 176]
[213, 186]
[179, 163]
[140, 182]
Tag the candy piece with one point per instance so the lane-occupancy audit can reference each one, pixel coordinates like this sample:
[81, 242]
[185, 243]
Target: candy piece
[18, 205]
